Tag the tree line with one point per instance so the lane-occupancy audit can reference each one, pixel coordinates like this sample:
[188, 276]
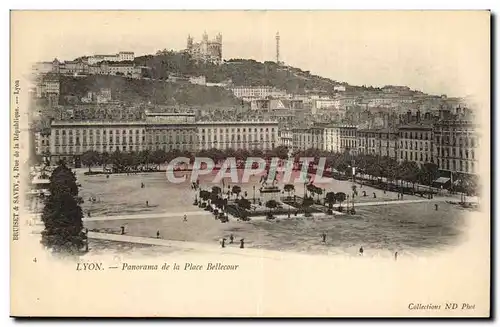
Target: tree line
[404, 173]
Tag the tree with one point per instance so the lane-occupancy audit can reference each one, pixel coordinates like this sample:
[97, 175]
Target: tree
[340, 197]
[241, 155]
[311, 189]
[354, 190]
[158, 157]
[330, 200]
[89, 158]
[216, 190]
[306, 203]
[428, 173]
[117, 161]
[271, 204]
[410, 172]
[257, 153]
[104, 160]
[145, 158]
[318, 191]
[62, 214]
[281, 152]
[204, 196]
[289, 188]
[236, 190]
[244, 203]
[393, 169]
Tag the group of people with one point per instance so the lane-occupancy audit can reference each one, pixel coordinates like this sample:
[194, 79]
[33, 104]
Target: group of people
[231, 241]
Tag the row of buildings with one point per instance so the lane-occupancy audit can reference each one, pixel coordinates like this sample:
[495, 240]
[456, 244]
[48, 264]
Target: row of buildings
[167, 131]
[97, 64]
[389, 97]
[451, 142]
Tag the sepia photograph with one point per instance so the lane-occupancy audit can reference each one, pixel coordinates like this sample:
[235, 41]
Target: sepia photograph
[250, 163]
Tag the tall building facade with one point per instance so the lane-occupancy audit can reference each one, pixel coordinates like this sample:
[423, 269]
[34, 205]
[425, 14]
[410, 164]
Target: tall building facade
[250, 93]
[285, 138]
[235, 135]
[167, 131]
[456, 145]
[331, 136]
[120, 56]
[379, 142]
[206, 50]
[416, 143]
[348, 138]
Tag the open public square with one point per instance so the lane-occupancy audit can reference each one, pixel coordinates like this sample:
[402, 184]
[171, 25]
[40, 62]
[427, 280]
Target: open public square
[382, 225]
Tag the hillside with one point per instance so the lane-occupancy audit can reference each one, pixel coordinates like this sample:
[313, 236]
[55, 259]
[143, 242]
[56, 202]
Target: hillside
[144, 90]
[239, 71]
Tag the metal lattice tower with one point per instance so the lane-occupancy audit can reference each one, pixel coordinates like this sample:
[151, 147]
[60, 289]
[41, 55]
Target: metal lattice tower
[278, 48]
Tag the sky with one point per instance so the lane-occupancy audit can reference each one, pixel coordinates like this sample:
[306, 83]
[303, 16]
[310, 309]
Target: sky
[435, 52]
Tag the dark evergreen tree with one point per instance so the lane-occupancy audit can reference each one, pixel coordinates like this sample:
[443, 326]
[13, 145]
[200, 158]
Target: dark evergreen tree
[62, 214]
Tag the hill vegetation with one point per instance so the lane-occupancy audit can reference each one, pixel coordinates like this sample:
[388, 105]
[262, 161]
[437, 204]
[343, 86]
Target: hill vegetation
[146, 90]
[158, 87]
[239, 71]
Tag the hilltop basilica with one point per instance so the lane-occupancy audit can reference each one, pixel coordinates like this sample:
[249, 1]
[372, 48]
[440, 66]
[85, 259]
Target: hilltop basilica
[207, 51]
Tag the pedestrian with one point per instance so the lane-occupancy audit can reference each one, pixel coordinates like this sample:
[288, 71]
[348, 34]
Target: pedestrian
[396, 256]
[436, 206]
[223, 243]
[123, 229]
[88, 213]
[158, 234]
[374, 195]
[147, 203]
[185, 218]
[361, 251]
[242, 243]
[399, 196]
[231, 239]
[324, 237]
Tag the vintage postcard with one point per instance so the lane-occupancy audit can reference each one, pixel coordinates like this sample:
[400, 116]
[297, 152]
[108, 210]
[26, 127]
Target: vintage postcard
[250, 163]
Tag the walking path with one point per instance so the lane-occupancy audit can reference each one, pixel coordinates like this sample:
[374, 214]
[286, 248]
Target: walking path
[150, 215]
[208, 213]
[205, 247]
[376, 203]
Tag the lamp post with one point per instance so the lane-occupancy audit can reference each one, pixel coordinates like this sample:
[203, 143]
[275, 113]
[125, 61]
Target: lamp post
[254, 194]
